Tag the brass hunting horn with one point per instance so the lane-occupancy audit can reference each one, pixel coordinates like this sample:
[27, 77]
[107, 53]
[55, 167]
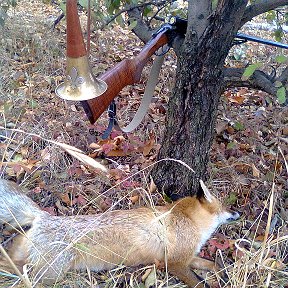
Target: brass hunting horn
[80, 84]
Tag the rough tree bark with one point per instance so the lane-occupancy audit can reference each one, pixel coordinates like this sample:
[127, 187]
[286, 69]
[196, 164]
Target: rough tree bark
[193, 104]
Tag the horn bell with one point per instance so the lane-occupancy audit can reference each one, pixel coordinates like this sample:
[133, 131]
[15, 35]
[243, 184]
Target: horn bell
[80, 84]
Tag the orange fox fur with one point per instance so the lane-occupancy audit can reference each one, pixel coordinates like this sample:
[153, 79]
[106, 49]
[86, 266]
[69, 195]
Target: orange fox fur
[57, 244]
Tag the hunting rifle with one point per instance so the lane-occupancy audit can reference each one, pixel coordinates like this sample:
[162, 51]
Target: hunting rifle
[128, 71]
[96, 95]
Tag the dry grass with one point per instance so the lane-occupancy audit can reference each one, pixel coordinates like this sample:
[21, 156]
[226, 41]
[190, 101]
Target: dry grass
[32, 63]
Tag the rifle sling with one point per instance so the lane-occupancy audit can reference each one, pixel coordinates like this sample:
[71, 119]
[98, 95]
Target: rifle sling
[144, 105]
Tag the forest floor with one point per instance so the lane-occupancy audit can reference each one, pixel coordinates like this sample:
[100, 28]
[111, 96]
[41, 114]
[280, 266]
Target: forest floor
[248, 169]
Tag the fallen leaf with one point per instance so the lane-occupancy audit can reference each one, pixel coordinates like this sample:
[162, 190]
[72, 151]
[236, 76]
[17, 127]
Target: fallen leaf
[134, 199]
[221, 244]
[94, 146]
[255, 171]
[149, 145]
[237, 99]
[221, 126]
[116, 153]
[80, 200]
[66, 198]
[87, 160]
[152, 186]
[151, 279]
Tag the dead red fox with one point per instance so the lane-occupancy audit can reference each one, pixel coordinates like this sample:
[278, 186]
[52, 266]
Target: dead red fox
[55, 244]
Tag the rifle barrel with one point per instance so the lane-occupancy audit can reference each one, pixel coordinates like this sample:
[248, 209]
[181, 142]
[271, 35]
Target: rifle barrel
[181, 25]
[260, 40]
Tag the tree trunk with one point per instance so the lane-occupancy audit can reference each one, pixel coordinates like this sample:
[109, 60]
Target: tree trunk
[192, 108]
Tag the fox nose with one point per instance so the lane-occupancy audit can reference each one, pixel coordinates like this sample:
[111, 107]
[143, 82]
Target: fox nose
[234, 216]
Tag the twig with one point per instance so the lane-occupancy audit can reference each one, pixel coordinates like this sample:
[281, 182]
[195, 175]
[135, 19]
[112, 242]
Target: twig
[58, 19]
[129, 8]
[157, 12]
[284, 159]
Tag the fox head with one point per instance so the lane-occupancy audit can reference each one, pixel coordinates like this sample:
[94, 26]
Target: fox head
[207, 213]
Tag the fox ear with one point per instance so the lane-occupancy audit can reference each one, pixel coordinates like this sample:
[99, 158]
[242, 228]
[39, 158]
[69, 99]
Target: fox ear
[206, 192]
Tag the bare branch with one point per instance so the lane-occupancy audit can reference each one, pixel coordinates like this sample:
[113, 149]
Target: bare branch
[142, 30]
[260, 8]
[259, 80]
[283, 78]
[131, 7]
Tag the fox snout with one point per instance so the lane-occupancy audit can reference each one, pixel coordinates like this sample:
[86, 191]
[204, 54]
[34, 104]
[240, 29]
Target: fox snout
[227, 217]
[232, 216]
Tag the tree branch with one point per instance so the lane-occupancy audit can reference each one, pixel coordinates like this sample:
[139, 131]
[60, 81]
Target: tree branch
[131, 7]
[260, 8]
[283, 78]
[259, 80]
[142, 30]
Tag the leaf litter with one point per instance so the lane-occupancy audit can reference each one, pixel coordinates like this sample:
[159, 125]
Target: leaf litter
[248, 157]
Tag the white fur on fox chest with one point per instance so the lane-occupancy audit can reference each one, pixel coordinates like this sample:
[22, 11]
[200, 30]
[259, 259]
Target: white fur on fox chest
[216, 221]
[206, 234]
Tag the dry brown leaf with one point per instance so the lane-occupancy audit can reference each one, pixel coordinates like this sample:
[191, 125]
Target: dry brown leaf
[149, 145]
[66, 146]
[116, 153]
[66, 199]
[221, 127]
[94, 146]
[134, 199]
[285, 131]
[237, 99]
[152, 186]
[255, 171]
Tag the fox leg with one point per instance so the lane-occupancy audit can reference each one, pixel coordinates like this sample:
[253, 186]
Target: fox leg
[208, 265]
[203, 264]
[186, 274]
[6, 267]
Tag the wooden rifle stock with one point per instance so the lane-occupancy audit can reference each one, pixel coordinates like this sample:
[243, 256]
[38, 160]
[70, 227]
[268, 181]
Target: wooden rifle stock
[125, 73]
